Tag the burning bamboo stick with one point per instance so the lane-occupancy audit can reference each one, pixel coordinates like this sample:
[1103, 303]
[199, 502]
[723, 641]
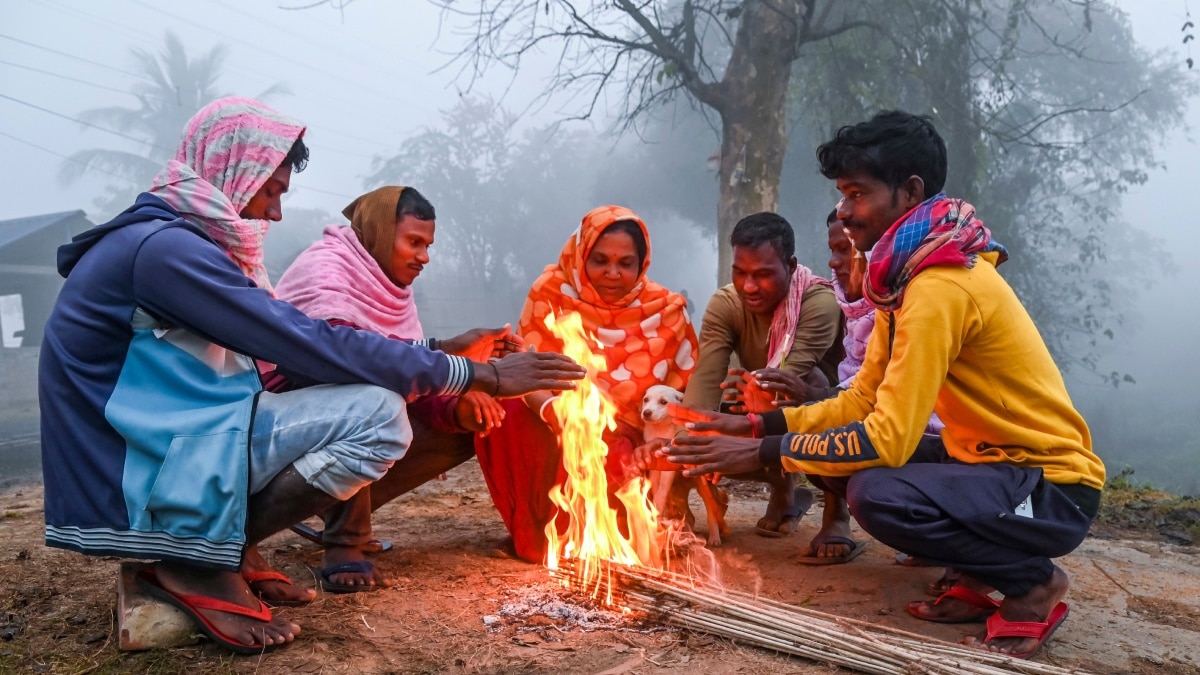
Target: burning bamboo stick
[878, 650]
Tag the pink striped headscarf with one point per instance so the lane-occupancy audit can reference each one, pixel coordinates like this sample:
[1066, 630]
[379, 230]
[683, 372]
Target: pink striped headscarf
[229, 150]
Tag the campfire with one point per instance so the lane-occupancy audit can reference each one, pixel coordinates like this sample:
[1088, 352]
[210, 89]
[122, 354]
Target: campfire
[595, 531]
[623, 560]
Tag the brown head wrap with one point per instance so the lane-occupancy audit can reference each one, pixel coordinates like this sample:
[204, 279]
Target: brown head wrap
[373, 219]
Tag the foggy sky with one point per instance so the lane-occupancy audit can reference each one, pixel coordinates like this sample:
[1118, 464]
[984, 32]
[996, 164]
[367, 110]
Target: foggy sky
[365, 82]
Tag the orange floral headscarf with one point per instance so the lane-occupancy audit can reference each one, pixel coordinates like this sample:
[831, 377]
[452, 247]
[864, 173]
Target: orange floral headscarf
[647, 335]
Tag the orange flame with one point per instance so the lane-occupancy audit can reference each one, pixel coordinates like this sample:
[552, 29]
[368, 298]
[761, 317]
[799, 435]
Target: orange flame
[594, 533]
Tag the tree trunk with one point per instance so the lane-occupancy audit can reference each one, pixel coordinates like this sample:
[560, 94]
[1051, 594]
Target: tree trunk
[751, 101]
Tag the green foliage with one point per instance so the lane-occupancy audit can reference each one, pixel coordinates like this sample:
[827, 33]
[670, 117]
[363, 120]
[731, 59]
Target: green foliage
[1051, 112]
[1138, 507]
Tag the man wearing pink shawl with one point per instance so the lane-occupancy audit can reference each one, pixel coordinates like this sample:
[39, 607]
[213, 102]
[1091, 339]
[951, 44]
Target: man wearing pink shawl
[157, 440]
[361, 276]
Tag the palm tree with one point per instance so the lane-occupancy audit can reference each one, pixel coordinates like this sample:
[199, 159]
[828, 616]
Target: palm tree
[175, 88]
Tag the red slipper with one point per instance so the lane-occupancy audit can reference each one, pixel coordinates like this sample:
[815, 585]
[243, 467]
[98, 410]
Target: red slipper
[192, 604]
[999, 627]
[257, 576]
[986, 604]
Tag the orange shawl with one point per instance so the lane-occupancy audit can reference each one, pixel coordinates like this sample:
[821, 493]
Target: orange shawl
[647, 336]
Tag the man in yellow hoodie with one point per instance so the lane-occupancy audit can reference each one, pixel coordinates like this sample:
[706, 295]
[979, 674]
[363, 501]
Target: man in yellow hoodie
[1022, 484]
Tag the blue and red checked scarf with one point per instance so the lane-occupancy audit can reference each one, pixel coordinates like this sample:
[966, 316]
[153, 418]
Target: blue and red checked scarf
[938, 231]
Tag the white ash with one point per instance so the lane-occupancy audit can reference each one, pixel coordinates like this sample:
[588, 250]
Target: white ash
[553, 602]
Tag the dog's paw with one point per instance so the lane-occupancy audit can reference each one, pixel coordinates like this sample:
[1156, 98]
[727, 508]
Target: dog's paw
[713, 540]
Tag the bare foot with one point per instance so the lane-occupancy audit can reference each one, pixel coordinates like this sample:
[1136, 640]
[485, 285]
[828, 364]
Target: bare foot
[338, 555]
[829, 541]
[783, 513]
[950, 609]
[230, 587]
[272, 591]
[1035, 605]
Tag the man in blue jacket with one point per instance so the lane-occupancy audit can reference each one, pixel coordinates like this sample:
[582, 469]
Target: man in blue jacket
[157, 441]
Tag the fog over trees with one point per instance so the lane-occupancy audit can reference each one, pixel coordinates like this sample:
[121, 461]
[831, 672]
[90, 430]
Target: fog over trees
[693, 113]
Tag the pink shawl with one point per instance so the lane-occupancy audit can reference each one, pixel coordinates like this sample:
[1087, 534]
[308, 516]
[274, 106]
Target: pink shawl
[336, 278]
[229, 150]
[783, 323]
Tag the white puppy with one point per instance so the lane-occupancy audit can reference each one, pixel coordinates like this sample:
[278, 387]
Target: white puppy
[658, 424]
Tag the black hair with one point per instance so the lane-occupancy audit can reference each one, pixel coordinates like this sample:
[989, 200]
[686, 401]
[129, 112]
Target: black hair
[765, 228]
[891, 146]
[831, 218]
[413, 203]
[297, 157]
[634, 231]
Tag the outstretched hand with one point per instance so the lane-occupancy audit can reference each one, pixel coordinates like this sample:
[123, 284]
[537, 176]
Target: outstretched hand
[525, 372]
[476, 411]
[733, 390]
[708, 423]
[481, 344]
[779, 388]
[703, 455]
[648, 457]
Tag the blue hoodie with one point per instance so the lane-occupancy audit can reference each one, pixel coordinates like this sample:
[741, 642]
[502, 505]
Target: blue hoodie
[147, 387]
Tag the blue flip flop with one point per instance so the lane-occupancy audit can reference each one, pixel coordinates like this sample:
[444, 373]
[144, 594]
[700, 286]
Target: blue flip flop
[356, 567]
[315, 536]
[856, 547]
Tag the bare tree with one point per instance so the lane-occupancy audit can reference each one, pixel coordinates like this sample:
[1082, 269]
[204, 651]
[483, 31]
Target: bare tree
[651, 52]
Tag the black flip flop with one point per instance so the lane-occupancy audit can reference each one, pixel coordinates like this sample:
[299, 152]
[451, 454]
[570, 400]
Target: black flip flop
[373, 546]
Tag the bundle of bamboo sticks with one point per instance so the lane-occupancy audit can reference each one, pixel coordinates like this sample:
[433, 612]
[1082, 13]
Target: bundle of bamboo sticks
[675, 599]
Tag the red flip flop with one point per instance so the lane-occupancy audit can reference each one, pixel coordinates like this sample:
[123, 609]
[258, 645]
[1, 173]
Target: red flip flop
[192, 604]
[986, 604]
[999, 627]
[257, 576]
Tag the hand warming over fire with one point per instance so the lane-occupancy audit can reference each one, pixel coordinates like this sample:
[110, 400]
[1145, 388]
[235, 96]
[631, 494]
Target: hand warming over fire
[707, 423]
[524, 372]
[763, 390]
[476, 411]
[780, 388]
[648, 458]
[713, 454]
[481, 344]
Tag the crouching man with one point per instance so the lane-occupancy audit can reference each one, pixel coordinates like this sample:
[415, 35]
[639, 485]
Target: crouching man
[1022, 484]
[157, 441]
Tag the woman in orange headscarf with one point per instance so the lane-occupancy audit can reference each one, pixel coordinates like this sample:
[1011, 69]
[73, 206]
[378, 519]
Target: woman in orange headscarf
[648, 339]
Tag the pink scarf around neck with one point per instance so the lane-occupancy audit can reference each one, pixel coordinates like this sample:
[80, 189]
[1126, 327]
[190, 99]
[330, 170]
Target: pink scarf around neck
[336, 278]
[787, 314]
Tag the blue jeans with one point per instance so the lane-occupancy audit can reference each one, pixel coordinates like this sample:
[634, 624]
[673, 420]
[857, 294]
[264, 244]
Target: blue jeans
[340, 437]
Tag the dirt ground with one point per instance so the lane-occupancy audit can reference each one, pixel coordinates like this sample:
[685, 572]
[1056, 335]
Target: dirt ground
[1134, 603]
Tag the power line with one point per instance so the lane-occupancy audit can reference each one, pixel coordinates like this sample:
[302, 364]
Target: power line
[339, 77]
[89, 167]
[86, 165]
[336, 48]
[50, 4]
[70, 56]
[86, 124]
[66, 77]
[302, 188]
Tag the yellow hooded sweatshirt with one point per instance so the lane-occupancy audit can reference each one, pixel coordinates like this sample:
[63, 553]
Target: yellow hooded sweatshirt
[963, 346]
